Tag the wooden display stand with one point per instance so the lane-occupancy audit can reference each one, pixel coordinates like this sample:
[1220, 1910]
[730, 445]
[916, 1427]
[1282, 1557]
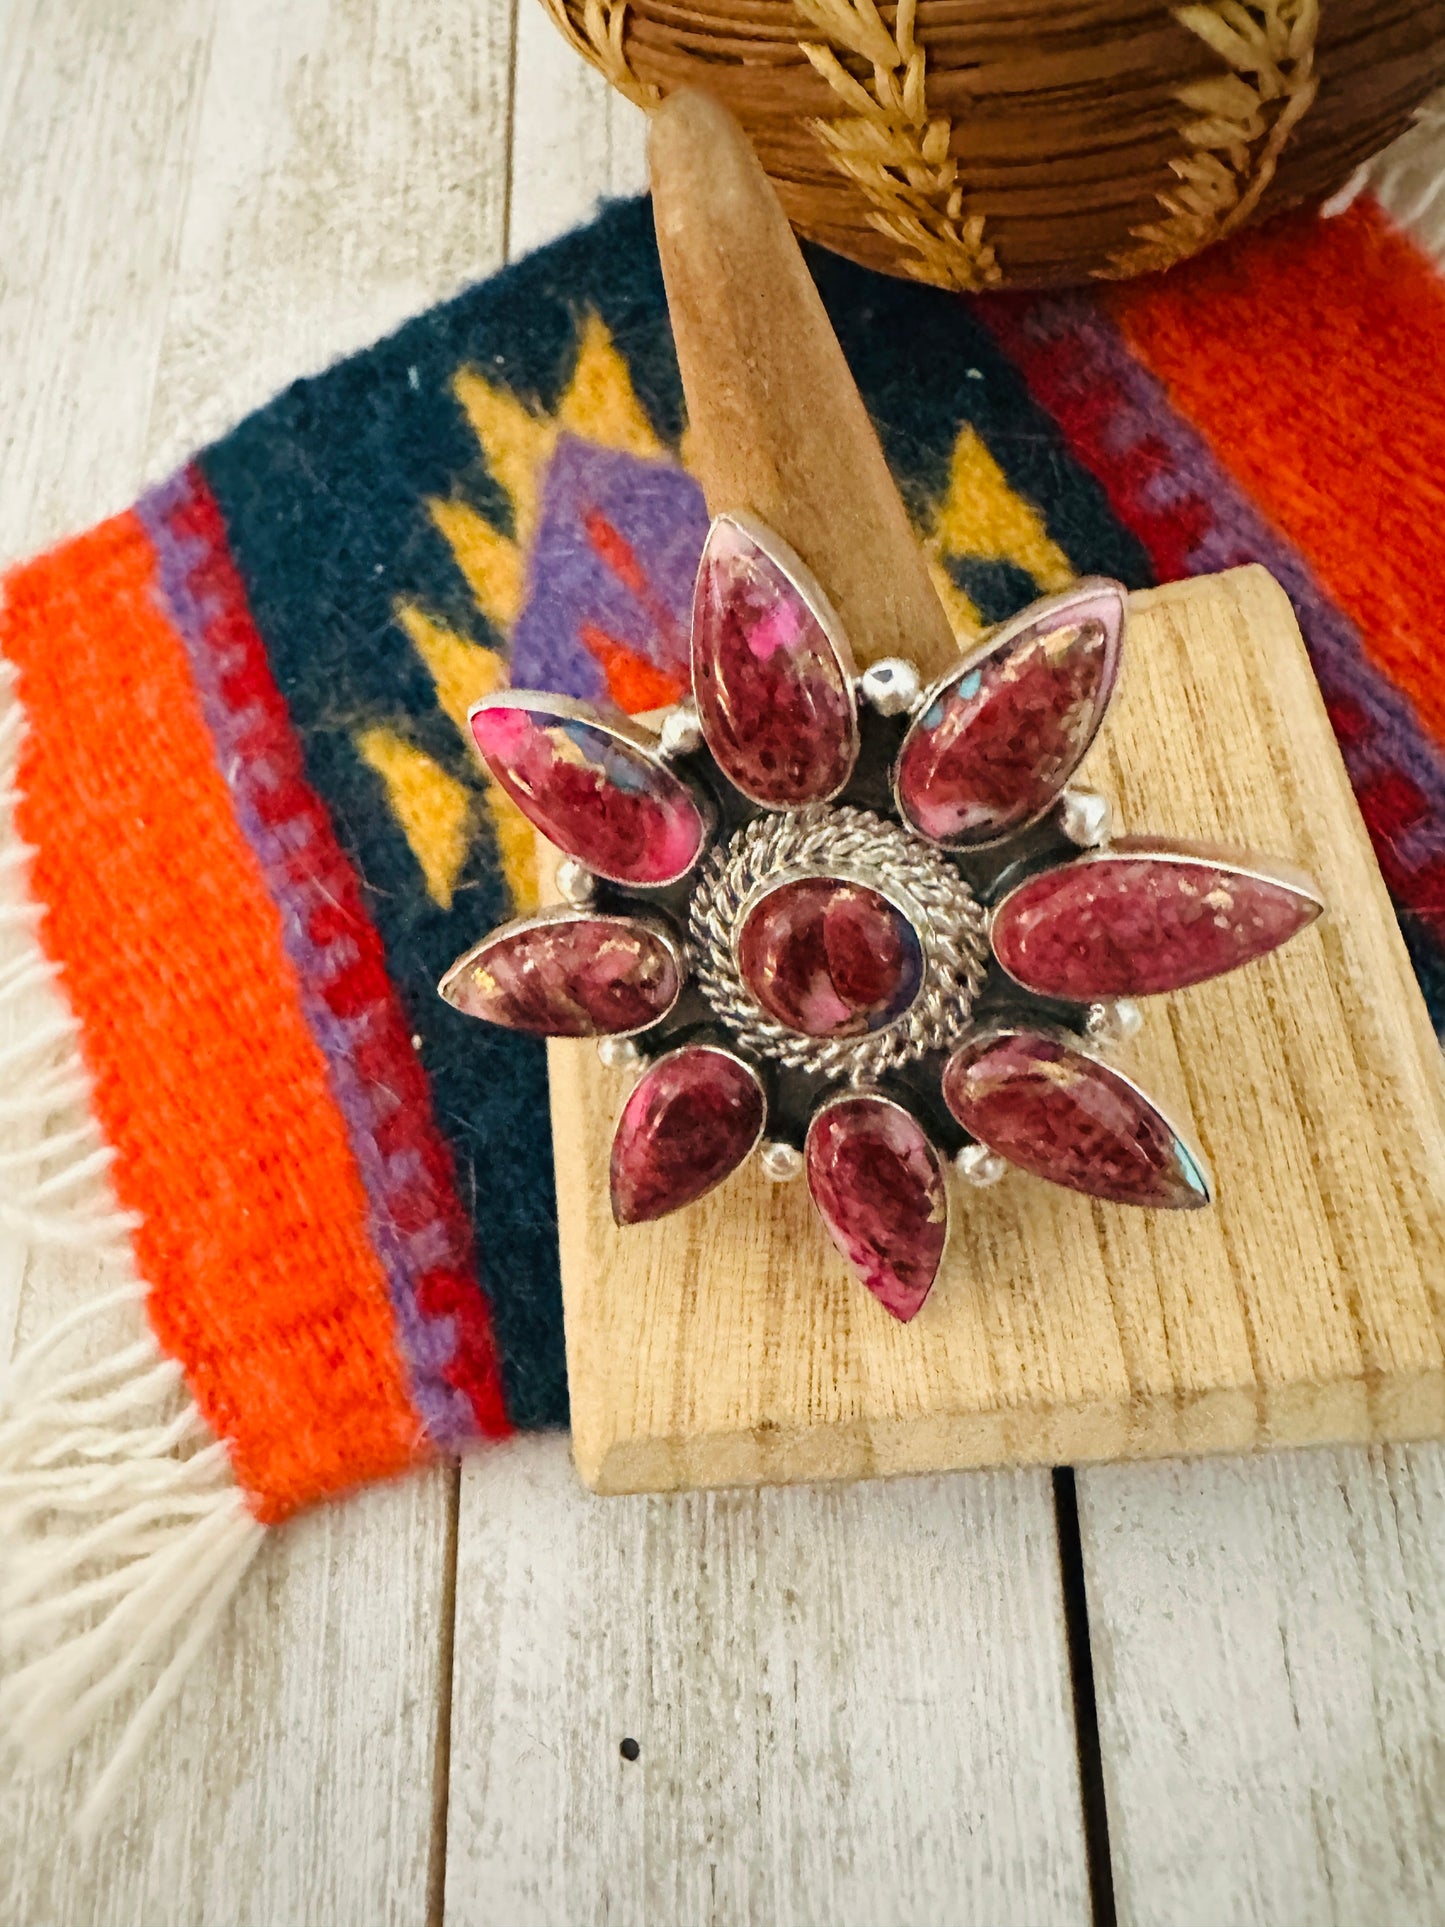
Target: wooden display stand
[729, 1345]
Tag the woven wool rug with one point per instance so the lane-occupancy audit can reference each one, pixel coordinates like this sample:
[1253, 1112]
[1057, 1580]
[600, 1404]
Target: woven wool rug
[243, 834]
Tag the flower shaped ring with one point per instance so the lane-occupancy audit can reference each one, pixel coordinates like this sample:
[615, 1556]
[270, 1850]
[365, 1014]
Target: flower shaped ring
[859, 925]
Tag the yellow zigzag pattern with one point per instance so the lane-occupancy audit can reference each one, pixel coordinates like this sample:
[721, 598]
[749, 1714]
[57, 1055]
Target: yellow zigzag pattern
[432, 807]
[600, 405]
[980, 517]
[464, 672]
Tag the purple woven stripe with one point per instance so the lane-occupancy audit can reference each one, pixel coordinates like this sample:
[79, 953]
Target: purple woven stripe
[1185, 471]
[407, 1255]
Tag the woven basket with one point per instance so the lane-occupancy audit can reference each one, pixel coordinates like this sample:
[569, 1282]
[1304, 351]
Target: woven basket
[1026, 143]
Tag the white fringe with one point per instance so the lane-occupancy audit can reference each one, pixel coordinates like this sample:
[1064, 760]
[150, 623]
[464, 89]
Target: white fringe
[123, 1535]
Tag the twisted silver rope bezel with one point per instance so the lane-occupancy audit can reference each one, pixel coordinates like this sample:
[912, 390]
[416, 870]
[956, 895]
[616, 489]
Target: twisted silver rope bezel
[820, 840]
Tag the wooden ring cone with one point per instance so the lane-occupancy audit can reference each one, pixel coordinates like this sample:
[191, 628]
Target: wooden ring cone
[777, 426]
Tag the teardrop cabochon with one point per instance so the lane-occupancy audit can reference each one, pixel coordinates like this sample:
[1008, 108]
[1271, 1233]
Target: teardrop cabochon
[570, 973]
[694, 1116]
[1064, 1115]
[1145, 915]
[772, 672]
[596, 787]
[879, 1185]
[995, 741]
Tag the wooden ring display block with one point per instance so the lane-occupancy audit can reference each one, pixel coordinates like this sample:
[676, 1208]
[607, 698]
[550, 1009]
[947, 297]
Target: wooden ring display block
[729, 1345]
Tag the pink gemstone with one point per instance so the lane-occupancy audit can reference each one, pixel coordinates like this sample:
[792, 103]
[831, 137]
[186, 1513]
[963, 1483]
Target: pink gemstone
[776, 705]
[595, 794]
[879, 1185]
[690, 1122]
[999, 740]
[567, 976]
[1053, 1111]
[1143, 918]
[830, 959]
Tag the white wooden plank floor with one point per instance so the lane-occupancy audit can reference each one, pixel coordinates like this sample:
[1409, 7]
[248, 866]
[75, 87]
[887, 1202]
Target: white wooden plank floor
[1268, 1638]
[851, 1706]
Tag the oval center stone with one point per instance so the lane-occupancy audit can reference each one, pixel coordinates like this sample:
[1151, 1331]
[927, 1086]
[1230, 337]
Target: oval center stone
[830, 958]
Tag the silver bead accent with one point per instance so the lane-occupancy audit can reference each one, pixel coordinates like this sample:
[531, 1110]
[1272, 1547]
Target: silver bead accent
[781, 1162]
[681, 732]
[575, 883]
[892, 686]
[1086, 818]
[977, 1165]
[1113, 1023]
[620, 1054]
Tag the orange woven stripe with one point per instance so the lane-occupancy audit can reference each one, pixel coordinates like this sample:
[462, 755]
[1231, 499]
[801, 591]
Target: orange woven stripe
[208, 1083]
[1312, 358]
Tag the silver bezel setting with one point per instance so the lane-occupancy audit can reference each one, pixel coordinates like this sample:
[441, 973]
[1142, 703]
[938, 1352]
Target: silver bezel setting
[940, 1162]
[791, 565]
[715, 1050]
[645, 742]
[1087, 587]
[1086, 1048]
[567, 913]
[1198, 855]
[854, 845]
[754, 846]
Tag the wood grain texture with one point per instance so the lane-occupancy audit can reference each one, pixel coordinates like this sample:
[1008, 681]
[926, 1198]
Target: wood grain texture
[144, 189]
[99, 125]
[775, 422]
[851, 1705]
[292, 1781]
[727, 1345]
[1266, 1635]
[353, 171]
[1267, 1639]
[798, 1761]
[575, 140]
[200, 202]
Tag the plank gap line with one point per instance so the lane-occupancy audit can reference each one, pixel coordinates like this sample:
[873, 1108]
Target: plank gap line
[1092, 1796]
[509, 137]
[436, 1873]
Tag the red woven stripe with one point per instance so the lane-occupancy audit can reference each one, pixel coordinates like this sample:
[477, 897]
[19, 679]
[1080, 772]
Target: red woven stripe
[1312, 358]
[419, 1194]
[1230, 339]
